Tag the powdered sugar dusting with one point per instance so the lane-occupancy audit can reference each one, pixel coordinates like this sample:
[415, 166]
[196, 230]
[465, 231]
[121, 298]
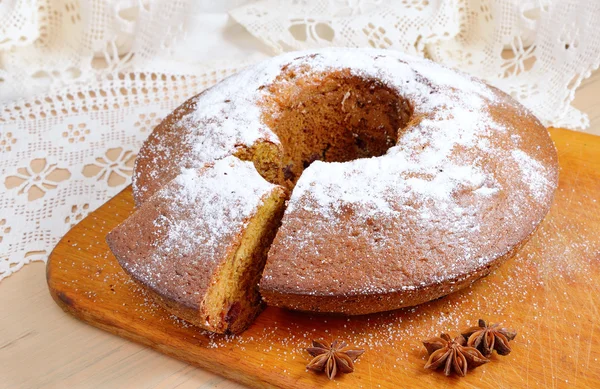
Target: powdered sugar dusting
[220, 200]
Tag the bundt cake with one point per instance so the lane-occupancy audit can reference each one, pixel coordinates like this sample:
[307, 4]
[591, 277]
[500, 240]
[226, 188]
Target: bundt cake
[200, 249]
[408, 180]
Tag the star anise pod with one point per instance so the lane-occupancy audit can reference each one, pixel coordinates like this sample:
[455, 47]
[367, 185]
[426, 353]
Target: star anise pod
[452, 355]
[333, 357]
[487, 338]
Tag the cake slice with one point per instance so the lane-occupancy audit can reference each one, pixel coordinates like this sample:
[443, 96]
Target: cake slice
[199, 244]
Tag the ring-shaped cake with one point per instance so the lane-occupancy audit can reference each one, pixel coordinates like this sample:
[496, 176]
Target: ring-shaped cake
[408, 180]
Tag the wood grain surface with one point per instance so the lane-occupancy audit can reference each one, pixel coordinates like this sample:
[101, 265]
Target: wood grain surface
[549, 293]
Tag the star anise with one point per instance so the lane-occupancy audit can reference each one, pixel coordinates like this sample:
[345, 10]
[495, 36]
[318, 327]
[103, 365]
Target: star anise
[333, 357]
[489, 338]
[452, 355]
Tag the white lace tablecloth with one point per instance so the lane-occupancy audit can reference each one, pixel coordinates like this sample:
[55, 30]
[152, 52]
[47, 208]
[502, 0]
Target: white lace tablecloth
[82, 83]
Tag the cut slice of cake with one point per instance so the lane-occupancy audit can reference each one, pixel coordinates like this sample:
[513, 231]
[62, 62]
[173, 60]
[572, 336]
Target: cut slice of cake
[199, 244]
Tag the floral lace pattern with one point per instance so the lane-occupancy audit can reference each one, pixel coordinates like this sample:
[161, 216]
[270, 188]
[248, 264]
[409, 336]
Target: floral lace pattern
[71, 152]
[84, 82]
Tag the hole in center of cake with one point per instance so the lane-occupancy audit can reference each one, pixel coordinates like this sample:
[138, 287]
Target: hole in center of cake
[332, 116]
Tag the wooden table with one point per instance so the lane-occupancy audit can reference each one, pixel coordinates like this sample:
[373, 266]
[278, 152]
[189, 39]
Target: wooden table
[41, 346]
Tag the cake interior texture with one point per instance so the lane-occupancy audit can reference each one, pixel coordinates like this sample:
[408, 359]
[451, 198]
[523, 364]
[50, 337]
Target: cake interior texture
[233, 297]
[331, 116]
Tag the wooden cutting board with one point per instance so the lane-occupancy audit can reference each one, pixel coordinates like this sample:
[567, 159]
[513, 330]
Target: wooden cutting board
[549, 293]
